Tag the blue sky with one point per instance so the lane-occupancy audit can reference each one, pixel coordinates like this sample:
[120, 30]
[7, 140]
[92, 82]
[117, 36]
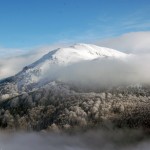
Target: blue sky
[28, 23]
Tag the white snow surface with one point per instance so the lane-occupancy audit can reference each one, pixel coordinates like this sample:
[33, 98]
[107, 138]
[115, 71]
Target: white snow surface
[76, 53]
[80, 52]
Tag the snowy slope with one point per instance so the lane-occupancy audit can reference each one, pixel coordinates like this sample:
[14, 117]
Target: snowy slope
[77, 53]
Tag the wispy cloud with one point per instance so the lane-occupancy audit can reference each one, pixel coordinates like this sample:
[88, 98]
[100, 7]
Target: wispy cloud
[106, 26]
[5, 52]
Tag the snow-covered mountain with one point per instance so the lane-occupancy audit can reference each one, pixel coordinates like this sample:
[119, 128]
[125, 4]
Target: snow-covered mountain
[68, 56]
[31, 75]
[30, 101]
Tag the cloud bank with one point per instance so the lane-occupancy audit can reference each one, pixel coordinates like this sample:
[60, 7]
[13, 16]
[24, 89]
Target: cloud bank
[134, 42]
[104, 72]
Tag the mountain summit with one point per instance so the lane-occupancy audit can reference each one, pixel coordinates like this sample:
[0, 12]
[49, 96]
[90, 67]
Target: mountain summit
[64, 57]
[76, 53]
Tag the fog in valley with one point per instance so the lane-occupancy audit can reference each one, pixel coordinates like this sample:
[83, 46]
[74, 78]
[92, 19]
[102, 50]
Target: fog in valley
[92, 140]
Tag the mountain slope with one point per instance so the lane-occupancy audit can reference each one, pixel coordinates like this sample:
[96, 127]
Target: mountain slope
[29, 78]
[27, 103]
[66, 56]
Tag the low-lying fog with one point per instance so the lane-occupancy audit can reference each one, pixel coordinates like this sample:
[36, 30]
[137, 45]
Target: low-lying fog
[93, 140]
[131, 70]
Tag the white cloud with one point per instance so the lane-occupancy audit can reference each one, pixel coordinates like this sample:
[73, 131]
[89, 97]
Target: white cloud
[104, 72]
[134, 42]
[5, 52]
